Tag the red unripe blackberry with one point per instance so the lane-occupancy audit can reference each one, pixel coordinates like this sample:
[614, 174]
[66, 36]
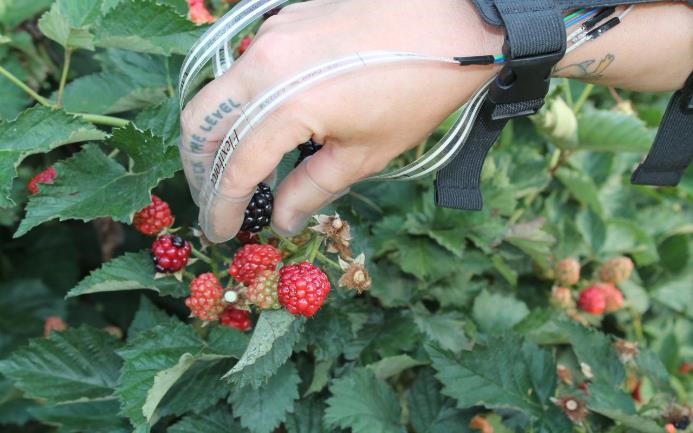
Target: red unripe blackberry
[46, 176]
[154, 218]
[236, 318]
[592, 300]
[206, 300]
[252, 259]
[258, 214]
[170, 253]
[302, 288]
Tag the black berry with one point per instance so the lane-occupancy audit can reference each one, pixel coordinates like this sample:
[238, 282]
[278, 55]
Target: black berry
[306, 149]
[683, 423]
[272, 12]
[258, 214]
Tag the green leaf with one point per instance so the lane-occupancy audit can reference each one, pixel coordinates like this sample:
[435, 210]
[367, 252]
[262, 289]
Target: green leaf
[307, 417]
[272, 342]
[14, 100]
[28, 302]
[154, 361]
[14, 12]
[80, 416]
[592, 228]
[69, 22]
[507, 373]
[424, 259]
[634, 422]
[445, 328]
[393, 365]
[364, 404]
[91, 185]
[163, 120]
[262, 409]
[217, 420]
[677, 294]
[612, 131]
[37, 130]
[495, 313]
[603, 396]
[428, 410]
[146, 317]
[69, 365]
[146, 26]
[199, 389]
[328, 332]
[127, 82]
[581, 187]
[649, 364]
[131, 271]
[224, 340]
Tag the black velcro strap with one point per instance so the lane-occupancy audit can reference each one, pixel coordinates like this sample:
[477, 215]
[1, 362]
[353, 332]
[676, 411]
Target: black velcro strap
[535, 42]
[672, 150]
[457, 184]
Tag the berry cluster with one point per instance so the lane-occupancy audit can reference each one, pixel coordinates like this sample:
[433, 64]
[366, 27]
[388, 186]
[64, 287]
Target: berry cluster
[258, 214]
[597, 298]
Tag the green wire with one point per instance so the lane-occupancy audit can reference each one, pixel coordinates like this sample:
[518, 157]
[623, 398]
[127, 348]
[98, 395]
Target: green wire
[573, 15]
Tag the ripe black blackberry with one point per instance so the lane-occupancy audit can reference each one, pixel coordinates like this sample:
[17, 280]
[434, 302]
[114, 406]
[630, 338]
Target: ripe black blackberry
[258, 214]
[306, 149]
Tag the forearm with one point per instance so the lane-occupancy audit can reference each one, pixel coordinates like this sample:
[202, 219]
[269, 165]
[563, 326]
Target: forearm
[651, 50]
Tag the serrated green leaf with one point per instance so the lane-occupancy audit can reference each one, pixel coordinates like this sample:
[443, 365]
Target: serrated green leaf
[28, 302]
[634, 422]
[445, 328]
[146, 317]
[127, 82]
[14, 100]
[428, 410]
[364, 404]
[328, 332]
[91, 185]
[68, 22]
[224, 340]
[273, 339]
[650, 365]
[262, 409]
[163, 120]
[146, 26]
[393, 365]
[612, 131]
[154, 360]
[507, 373]
[495, 313]
[69, 365]
[14, 12]
[424, 259]
[307, 417]
[37, 130]
[199, 389]
[581, 187]
[603, 396]
[79, 416]
[216, 420]
[131, 271]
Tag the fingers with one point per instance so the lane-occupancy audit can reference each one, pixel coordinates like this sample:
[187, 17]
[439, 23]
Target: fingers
[319, 180]
[222, 208]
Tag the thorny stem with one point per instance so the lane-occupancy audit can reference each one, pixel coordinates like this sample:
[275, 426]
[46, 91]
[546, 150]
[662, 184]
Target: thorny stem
[63, 76]
[17, 82]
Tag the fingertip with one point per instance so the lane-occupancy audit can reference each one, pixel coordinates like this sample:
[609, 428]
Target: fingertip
[221, 216]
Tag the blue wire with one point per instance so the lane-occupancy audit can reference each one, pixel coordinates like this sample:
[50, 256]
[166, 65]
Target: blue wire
[586, 15]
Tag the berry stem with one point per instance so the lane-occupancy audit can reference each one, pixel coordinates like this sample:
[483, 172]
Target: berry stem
[200, 255]
[292, 247]
[63, 76]
[189, 275]
[102, 120]
[28, 90]
[583, 98]
[314, 247]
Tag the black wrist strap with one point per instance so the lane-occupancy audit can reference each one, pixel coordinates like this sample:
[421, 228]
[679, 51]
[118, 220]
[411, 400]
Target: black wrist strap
[518, 90]
[672, 150]
[535, 42]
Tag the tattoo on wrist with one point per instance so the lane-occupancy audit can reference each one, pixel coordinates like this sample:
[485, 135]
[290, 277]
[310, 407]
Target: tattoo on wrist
[590, 69]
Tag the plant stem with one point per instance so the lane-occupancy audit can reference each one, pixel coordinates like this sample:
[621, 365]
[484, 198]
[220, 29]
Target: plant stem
[114, 153]
[583, 98]
[293, 248]
[99, 119]
[200, 255]
[368, 202]
[17, 82]
[314, 247]
[169, 85]
[568, 92]
[63, 76]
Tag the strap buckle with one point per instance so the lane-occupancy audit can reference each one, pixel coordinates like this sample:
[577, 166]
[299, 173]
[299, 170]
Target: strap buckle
[523, 80]
[687, 91]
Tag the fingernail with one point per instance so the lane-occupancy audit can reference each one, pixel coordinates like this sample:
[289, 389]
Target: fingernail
[295, 225]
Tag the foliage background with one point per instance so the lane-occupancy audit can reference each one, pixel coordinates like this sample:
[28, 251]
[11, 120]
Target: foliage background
[458, 321]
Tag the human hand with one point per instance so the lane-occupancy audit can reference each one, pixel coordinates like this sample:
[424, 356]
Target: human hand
[364, 120]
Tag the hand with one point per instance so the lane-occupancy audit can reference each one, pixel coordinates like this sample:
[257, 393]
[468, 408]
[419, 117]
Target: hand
[364, 120]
